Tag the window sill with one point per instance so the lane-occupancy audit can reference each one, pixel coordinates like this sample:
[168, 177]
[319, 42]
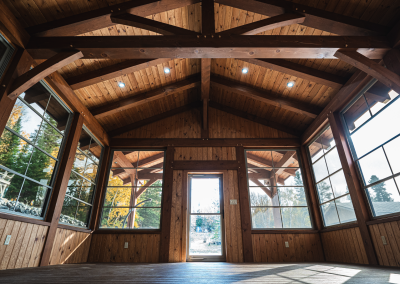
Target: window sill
[288, 231]
[339, 227]
[384, 219]
[23, 219]
[127, 231]
[73, 228]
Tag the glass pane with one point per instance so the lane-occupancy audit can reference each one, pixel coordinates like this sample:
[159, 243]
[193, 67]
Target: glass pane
[339, 184]
[31, 199]
[377, 97]
[315, 150]
[296, 218]
[288, 177]
[330, 214]
[91, 170]
[333, 161]
[205, 196]
[375, 167]
[259, 159]
[86, 193]
[113, 217]
[14, 152]
[149, 159]
[80, 162]
[320, 170]
[57, 114]
[378, 130]
[41, 167]
[264, 218]
[260, 196]
[147, 218]
[49, 139]
[68, 211]
[205, 235]
[37, 96]
[118, 196]
[24, 121]
[357, 114]
[150, 174]
[345, 209]
[117, 177]
[385, 197]
[285, 159]
[82, 214]
[9, 190]
[292, 196]
[392, 150]
[324, 190]
[151, 194]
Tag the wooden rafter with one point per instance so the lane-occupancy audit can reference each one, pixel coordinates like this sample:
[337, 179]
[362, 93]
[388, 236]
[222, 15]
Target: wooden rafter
[315, 18]
[207, 17]
[384, 75]
[33, 76]
[261, 162]
[152, 119]
[285, 161]
[100, 18]
[300, 71]
[264, 96]
[235, 46]
[278, 21]
[255, 118]
[392, 60]
[205, 88]
[129, 102]
[148, 24]
[110, 72]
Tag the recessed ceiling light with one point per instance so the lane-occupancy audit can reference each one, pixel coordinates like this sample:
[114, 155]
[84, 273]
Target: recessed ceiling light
[121, 84]
[245, 70]
[290, 84]
[167, 70]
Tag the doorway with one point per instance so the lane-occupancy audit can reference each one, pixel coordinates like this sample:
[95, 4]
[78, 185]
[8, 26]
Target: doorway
[205, 227]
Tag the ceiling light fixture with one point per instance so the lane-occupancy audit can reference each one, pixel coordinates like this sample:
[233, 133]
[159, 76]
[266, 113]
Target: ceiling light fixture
[290, 84]
[121, 84]
[167, 70]
[245, 70]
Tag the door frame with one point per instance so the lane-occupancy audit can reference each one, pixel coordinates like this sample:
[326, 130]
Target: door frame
[185, 205]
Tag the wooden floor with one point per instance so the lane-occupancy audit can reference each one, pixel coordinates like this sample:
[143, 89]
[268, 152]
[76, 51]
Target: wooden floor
[320, 273]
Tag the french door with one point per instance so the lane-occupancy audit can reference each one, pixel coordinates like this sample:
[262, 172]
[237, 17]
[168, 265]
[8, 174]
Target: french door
[205, 237]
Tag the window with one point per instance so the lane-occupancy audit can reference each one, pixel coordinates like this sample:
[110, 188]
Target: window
[277, 196]
[334, 198]
[30, 148]
[6, 52]
[133, 196]
[78, 200]
[373, 131]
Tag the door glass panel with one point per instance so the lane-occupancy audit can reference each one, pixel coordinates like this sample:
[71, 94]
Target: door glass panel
[205, 195]
[205, 235]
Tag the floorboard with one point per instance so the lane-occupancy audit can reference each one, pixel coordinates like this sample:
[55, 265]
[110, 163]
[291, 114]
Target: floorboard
[202, 273]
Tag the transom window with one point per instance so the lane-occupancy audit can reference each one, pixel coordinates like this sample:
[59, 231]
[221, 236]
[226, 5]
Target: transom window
[334, 197]
[373, 130]
[30, 148]
[277, 196]
[6, 52]
[134, 190]
[78, 200]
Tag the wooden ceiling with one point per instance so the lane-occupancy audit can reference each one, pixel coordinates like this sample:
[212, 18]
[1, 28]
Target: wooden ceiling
[314, 91]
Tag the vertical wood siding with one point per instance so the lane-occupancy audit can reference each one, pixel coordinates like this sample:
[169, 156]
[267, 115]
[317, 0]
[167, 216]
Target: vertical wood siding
[26, 244]
[389, 254]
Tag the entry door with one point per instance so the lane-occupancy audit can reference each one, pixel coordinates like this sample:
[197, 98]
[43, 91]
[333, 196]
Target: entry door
[205, 237]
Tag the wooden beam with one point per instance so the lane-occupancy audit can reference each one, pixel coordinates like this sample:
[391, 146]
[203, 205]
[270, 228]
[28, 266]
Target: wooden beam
[205, 87]
[139, 99]
[372, 68]
[113, 71]
[11, 27]
[286, 160]
[274, 22]
[300, 71]
[148, 24]
[392, 60]
[193, 165]
[236, 46]
[128, 143]
[244, 202]
[166, 205]
[255, 119]
[30, 78]
[60, 186]
[100, 18]
[207, 17]
[356, 191]
[256, 160]
[265, 97]
[378, 92]
[58, 84]
[144, 187]
[315, 18]
[152, 119]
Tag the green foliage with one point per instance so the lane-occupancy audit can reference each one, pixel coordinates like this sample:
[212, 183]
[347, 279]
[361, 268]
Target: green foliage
[381, 194]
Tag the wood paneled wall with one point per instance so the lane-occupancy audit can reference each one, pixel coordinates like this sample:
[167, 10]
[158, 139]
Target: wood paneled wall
[302, 248]
[26, 244]
[70, 247]
[389, 254]
[110, 248]
[344, 246]
[177, 242]
[205, 153]
[221, 125]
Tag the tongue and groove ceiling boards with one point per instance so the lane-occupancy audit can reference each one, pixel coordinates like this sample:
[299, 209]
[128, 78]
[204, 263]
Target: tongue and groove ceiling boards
[209, 74]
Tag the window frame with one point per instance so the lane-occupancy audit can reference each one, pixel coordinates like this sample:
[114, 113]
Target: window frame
[4, 61]
[105, 186]
[49, 187]
[95, 182]
[353, 152]
[306, 192]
